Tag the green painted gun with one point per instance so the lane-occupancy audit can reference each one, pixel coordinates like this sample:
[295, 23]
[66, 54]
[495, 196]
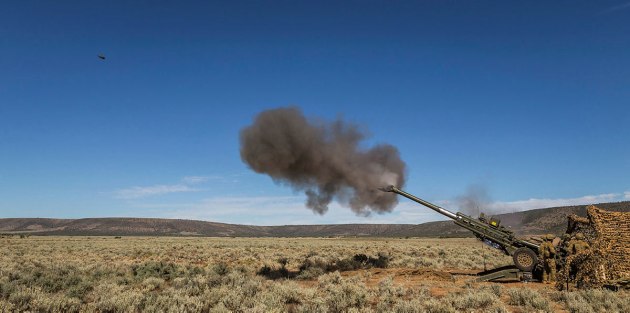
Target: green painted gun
[490, 231]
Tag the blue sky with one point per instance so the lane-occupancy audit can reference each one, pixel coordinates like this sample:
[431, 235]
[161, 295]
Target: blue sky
[530, 100]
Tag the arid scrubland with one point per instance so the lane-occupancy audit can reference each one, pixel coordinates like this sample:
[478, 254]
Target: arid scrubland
[162, 274]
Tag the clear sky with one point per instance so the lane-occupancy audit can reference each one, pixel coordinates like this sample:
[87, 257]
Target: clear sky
[529, 99]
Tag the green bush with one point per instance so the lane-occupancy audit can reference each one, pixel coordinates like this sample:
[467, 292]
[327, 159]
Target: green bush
[166, 271]
[273, 273]
[52, 280]
[6, 306]
[403, 306]
[6, 288]
[359, 261]
[56, 303]
[220, 269]
[80, 290]
[473, 300]
[437, 306]
[111, 298]
[348, 264]
[593, 300]
[21, 299]
[310, 273]
[528, 298]
[315, 264]
[341, 295]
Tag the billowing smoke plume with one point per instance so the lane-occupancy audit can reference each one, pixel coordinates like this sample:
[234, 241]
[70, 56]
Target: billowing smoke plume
[475, 200]
[323, 159]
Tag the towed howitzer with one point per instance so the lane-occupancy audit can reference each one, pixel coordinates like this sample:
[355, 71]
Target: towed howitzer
[490, 232]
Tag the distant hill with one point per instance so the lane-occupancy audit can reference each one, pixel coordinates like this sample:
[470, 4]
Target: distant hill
[523, 223]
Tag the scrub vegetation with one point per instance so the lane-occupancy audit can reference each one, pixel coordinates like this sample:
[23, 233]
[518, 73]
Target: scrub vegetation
[166, 274]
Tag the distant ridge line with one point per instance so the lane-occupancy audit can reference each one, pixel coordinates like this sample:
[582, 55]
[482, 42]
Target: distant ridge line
[536, 221]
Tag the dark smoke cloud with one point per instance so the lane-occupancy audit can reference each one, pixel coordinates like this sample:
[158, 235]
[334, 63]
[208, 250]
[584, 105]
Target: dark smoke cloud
[322, 159]
[475, 200]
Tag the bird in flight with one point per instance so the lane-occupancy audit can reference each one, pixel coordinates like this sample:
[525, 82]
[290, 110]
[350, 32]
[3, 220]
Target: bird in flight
[101, 56]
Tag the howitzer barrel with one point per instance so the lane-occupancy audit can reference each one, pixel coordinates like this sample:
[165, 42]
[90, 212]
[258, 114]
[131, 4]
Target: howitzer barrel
[429, 205]
[489, 231]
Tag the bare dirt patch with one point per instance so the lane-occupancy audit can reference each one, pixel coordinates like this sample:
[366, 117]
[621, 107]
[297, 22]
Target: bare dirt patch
[403, 276]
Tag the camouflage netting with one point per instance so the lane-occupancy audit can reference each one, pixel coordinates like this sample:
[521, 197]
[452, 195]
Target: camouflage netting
[608, 234]
[614, 237]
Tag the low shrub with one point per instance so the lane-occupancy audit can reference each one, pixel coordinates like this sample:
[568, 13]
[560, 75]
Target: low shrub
[437, 306]
[315, 266]
[21, 299]
[363, 261]
[153, 283]
[6, 306]
[473, 300]
[55, 303]
[341, 295]
[273, 273]
[310, 273]
[111, 298]
[80, 290]
[528, 298]
[166, 271]
[6, 288]
[593, 300]
[221, 269]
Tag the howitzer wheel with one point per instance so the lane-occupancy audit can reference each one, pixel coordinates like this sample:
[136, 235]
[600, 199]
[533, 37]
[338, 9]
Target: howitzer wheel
[525, 259]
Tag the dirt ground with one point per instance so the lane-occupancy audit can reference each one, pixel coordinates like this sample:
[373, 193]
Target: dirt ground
[440, 283]
[444, 282]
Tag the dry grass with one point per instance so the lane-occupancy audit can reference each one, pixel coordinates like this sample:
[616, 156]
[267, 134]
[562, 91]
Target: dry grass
[160, 274]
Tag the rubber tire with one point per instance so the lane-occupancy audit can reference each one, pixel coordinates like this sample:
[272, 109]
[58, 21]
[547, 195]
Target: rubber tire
[528, 253]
